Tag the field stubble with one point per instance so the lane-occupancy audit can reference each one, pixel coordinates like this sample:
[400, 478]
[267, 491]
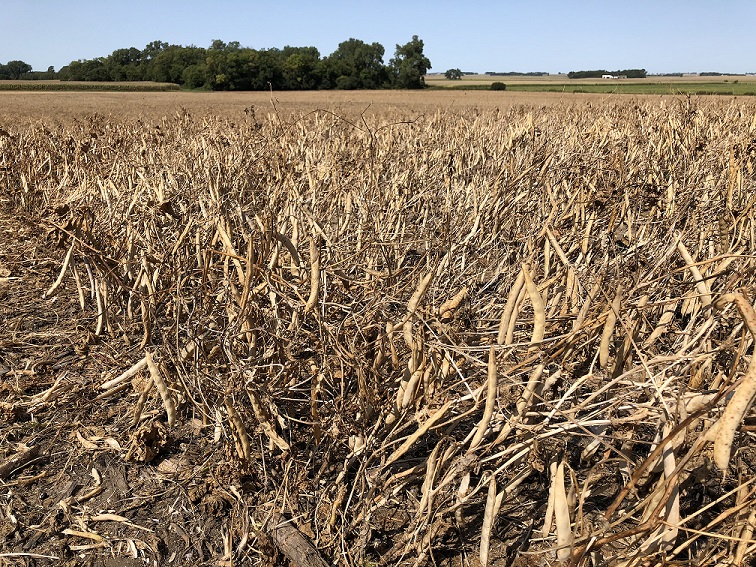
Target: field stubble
[517, 333]
[67, 108]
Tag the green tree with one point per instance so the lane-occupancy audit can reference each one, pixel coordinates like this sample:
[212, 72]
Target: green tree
[66, 72]
[270, 70]
[14, 69]
[149, 54]
[300, 68]
[169, 65]
[453, 74]
[124, 65]
[85, 70]
[153, 48]
[242, 68]
[216, 66]
[355, 65]
[194, 76]
[229, 66]
[409, 65]
[95, 70]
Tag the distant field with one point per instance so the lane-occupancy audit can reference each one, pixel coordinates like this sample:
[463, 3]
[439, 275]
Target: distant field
[440, 80]
[19, 108]
[690, 84]
[697, 88]
[735, 85]
[127, 86]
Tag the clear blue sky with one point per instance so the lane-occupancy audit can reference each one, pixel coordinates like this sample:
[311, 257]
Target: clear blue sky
[473, 35]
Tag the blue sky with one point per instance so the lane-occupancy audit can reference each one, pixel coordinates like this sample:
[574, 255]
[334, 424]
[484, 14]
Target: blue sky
[473, 35]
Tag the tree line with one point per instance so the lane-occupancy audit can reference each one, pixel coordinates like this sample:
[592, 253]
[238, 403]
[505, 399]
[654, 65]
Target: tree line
[518, 73]
[14, 70]
[228, 66]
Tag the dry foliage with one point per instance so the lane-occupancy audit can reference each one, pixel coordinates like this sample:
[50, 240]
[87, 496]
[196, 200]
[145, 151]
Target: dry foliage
[407, 334]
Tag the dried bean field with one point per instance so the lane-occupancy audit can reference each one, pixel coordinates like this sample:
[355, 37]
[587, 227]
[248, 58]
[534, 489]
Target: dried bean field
[507, 333]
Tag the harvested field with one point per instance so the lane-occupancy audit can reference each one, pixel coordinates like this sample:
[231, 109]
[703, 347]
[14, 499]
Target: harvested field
[442, 81]
[415, 335]
[67, 108]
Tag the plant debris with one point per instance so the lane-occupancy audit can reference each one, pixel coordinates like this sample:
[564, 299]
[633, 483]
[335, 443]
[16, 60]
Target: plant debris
[518, 335]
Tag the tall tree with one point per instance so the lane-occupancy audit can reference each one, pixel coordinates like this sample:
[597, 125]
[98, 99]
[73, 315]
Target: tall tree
[356, 65]
[125, 65]
[409, 65]
[300, 68]
[168, 66]
[14, 70]
[229, 67]
[153, 48]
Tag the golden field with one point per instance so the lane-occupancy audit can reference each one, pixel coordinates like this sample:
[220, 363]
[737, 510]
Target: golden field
[378, 328]
[63, 107]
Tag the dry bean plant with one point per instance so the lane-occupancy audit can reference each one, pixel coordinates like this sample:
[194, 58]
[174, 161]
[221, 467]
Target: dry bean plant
[518, 337]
